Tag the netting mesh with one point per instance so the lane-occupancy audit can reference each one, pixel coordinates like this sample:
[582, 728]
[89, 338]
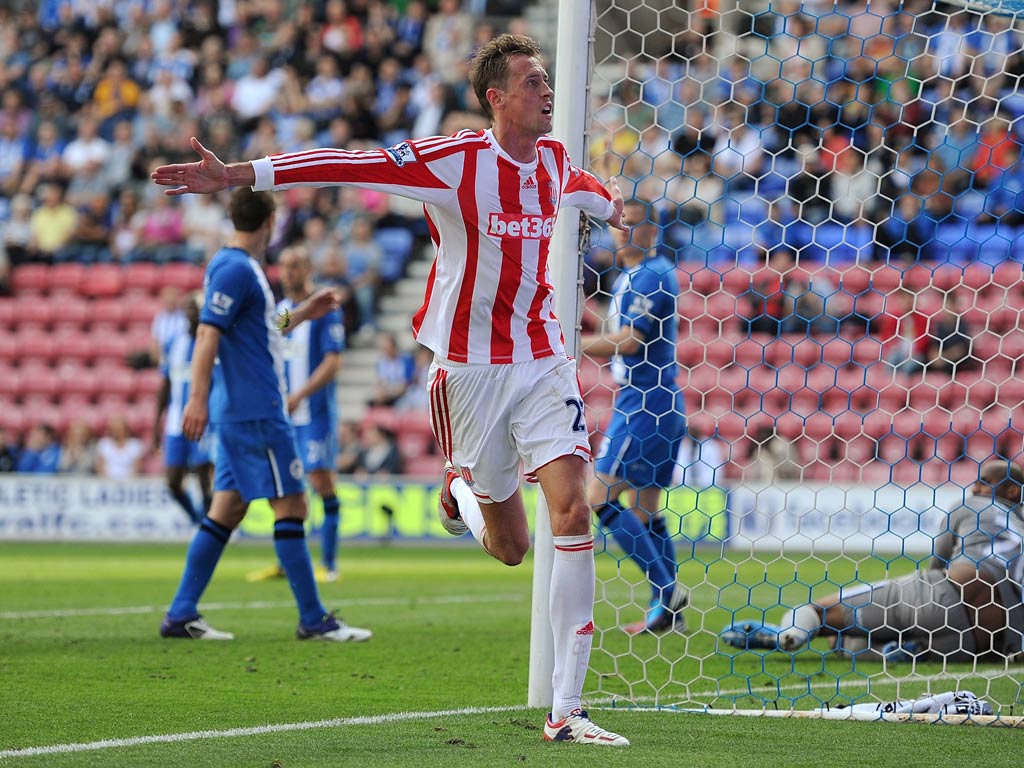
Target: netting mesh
[839, 188]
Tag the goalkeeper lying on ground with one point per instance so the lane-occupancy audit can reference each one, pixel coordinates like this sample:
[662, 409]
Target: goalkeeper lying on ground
[965, 605]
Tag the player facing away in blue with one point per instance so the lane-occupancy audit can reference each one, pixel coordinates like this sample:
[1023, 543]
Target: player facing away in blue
[240, 330]
[182, 455]
[312, 359]
[637, 455]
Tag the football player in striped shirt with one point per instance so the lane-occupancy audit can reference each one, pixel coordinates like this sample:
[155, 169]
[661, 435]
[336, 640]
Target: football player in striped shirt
[312, 359]
[181, 454]
[503, 393]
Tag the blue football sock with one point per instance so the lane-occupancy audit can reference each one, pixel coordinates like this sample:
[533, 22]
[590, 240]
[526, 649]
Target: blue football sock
[185, 501]
[664, 544]
[638, 544]
[329, 533]
[203, 554]
[290, 546]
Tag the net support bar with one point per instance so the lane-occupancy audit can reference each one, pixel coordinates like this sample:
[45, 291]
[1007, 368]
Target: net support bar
[572, 68]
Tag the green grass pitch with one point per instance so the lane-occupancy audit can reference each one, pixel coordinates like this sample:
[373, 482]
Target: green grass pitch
[81, 662]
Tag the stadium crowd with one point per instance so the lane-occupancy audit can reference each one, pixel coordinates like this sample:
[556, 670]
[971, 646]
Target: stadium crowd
[840, 144]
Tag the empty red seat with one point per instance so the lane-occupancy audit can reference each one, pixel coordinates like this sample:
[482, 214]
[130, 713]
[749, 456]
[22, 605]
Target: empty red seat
[8, 351]
[67, 278]
[112, 348]
[15, 422]
[31, 279]
[32, 310]
[147, 383]
[109, 310]
[141, 277]
[70, 312]
[10, 382]
[38, 377]
[102, 280]
[187, 277]
[35, 346]
[141, 309]
[118, 381]
[78, 380]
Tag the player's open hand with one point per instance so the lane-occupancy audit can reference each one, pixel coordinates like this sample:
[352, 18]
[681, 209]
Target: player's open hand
[616, 193]
[320, 303]
[207, 175]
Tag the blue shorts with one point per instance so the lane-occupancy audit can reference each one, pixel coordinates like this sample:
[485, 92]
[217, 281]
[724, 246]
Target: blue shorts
[318, 445]
[258, 459]
[179, 451]
[642, 440]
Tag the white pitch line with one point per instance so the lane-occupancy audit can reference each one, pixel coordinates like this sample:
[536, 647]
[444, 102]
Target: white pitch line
[396, 717]
[259, 730]
[357, 602]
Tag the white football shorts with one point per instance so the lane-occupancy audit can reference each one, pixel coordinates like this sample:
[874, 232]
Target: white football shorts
[490, 419]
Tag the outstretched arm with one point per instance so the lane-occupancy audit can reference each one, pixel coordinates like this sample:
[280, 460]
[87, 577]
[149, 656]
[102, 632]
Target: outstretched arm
[319, 304]
[205, 176]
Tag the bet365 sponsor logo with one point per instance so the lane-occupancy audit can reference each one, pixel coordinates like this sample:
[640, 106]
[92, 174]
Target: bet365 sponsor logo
[522, 227]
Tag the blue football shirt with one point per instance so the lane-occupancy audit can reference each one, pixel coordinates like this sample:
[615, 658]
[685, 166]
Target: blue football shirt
[644, 297]
[305, 349]
[248, 379]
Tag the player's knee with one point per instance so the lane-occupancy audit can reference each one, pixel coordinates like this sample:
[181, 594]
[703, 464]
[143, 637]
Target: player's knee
[508, 551]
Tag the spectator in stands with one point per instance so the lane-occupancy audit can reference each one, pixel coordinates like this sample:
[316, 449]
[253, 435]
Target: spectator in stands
[949, 339]
[52, 224]
[380, 456]
[203, 220]
[43, 157]
[78, 452]
[395, 371]
[903, 332]
[88, 152]
[119, 454]
[90, 243]
[349, 448]
[16, 231]
[41, 454]
[416, 396]
[448, 41]
[363, 257]
[8, 453]
[701, 460]
[773, 459]
[767, 303]
[13, 149]
[115, 95]
[125, 220]
[5, 269]
[160, 231]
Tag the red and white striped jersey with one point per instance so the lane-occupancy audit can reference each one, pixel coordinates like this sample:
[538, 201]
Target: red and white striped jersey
[489, 297]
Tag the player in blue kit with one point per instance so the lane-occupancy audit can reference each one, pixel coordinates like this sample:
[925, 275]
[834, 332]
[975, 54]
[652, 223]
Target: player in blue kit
[312, 361]
[180, 453]
[240, 331]
[637, 454]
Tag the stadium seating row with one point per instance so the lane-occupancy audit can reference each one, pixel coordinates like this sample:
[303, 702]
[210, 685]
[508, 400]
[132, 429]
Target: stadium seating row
[103, 279]
[858, 278]
[63, 312]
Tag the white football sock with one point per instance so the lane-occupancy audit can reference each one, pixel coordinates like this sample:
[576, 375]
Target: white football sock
[469, 509]
[798, 627]
[572, 619]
